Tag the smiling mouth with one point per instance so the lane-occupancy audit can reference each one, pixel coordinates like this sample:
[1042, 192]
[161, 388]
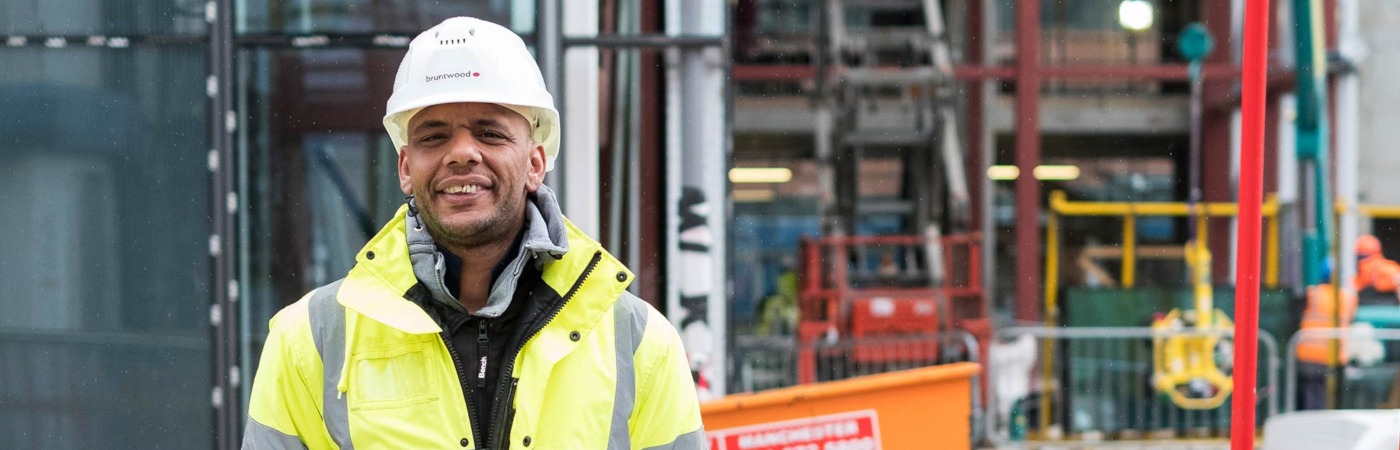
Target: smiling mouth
[463, 189]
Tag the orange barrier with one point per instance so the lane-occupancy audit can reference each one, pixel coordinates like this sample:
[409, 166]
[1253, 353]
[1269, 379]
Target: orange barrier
[928, 408]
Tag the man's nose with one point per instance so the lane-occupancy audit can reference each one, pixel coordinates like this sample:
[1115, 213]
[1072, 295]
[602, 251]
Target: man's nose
[465, 150]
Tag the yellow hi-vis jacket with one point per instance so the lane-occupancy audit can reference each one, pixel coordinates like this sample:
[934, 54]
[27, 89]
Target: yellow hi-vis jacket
[362, 367]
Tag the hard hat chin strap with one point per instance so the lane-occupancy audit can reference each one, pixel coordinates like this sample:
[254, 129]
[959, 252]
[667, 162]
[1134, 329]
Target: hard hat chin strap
[413, 211]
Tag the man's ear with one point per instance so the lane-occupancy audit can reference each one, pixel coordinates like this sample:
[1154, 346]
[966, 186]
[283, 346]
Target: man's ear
[405, 184]
[537, 168]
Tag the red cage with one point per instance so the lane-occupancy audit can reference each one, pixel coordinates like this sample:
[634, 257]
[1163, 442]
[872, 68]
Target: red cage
[878, 291]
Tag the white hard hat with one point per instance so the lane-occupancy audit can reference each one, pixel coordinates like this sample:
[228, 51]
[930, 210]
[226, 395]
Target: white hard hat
[464, 59]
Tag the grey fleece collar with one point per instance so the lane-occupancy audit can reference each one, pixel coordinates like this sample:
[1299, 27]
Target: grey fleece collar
[546, 240]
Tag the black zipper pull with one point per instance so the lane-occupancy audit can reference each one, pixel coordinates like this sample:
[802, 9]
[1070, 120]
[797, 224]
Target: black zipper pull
[481, 352]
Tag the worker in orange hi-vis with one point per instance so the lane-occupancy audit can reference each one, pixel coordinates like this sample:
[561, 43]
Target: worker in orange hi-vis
[1376, 277]
[1376, 281]
[1317, 356]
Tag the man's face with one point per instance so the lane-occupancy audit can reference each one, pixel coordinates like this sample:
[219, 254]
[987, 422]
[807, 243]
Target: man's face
[470, 166]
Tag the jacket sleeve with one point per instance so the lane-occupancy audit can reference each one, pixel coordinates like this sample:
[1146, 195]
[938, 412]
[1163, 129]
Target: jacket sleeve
[283, 412]
[667, 414]
[1387, 276]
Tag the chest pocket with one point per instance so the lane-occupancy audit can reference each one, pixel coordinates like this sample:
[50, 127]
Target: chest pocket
[392, 378]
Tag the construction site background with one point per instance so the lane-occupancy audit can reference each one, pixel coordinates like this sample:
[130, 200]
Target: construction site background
[818, 193]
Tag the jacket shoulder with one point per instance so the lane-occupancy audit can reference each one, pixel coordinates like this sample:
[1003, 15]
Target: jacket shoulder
[295, 319]
[659, 338]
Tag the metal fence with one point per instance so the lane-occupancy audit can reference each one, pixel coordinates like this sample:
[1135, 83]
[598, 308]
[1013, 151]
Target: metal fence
[1099, 379]
[1369, 378]
[63, 390]
[1096, 384]
[762, 363]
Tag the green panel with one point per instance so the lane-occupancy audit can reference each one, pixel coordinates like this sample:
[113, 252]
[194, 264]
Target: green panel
[1113, 307]
[1107, 381]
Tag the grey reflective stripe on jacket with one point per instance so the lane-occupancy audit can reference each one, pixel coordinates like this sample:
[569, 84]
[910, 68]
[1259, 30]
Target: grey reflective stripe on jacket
[630, 319]
[694, 440]
[328, 331]
[257, 436]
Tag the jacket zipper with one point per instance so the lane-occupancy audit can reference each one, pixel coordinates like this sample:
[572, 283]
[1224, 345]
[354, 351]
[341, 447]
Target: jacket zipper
[462, 379]
[481, 354]
[505, 393]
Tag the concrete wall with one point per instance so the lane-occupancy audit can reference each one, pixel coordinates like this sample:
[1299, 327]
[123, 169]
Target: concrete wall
[1380, 103]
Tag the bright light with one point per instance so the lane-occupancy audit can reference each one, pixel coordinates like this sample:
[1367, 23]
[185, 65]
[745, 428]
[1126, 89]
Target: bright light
[1056, 173]
[753, 195]
[1135, 15]
[1003, 173]
[760, 175]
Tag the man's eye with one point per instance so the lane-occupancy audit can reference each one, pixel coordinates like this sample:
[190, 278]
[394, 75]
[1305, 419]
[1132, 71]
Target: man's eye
[430, 138]
[492, 135]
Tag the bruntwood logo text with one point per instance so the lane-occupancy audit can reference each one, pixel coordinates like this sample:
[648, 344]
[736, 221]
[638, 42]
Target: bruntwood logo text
[453, 75]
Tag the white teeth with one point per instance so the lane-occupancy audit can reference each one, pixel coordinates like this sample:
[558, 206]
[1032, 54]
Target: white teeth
[468, 189]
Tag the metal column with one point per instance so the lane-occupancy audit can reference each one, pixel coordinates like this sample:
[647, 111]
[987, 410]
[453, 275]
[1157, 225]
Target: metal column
[577, 98]
[1348, 138]
[226, 396]
[697, 114]
[1028, 277]
[697, 161]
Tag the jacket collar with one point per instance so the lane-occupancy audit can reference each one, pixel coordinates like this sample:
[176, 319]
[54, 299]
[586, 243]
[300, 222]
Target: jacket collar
[384, 272]
[545, 239]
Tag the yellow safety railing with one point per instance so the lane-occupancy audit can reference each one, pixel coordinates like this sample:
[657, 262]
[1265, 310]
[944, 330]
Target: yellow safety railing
[1061, 206]
[1130, 211]
[1372, 211]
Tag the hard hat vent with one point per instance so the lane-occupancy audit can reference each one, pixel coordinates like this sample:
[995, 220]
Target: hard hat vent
[454, 37]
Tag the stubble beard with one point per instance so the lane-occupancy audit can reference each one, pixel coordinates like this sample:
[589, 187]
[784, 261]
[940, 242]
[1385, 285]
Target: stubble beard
[501, 224]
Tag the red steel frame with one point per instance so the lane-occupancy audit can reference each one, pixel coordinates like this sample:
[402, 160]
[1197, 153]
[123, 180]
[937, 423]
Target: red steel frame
[1258, 122]
[825, 294]
[1028, 241]
[1221, 75]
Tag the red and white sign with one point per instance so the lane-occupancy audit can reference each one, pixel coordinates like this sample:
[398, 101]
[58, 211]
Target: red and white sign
[858, 430]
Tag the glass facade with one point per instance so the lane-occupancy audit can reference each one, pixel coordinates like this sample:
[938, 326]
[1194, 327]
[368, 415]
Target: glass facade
[373, 16]
[320, 172]
[105, 333]
[105, 169]
[104, 17]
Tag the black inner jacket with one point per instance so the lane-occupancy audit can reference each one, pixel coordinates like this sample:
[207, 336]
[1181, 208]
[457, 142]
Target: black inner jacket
[504, 334]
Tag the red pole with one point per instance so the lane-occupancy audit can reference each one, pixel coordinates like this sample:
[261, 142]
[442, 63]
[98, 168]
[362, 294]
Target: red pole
[1256, 48]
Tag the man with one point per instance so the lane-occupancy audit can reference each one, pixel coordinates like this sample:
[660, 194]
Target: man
[1317, 357]
[1375, 283]
[479, 317]
[1376, 276]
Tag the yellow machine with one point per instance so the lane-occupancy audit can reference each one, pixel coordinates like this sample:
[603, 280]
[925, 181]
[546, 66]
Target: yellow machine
[1194, 369]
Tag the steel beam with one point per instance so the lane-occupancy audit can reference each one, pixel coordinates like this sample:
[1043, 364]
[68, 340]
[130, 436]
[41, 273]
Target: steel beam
[651, 272]
[644, 41]
[1219, 101]
[1028, 242]
[975, 114]
[977, 71]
